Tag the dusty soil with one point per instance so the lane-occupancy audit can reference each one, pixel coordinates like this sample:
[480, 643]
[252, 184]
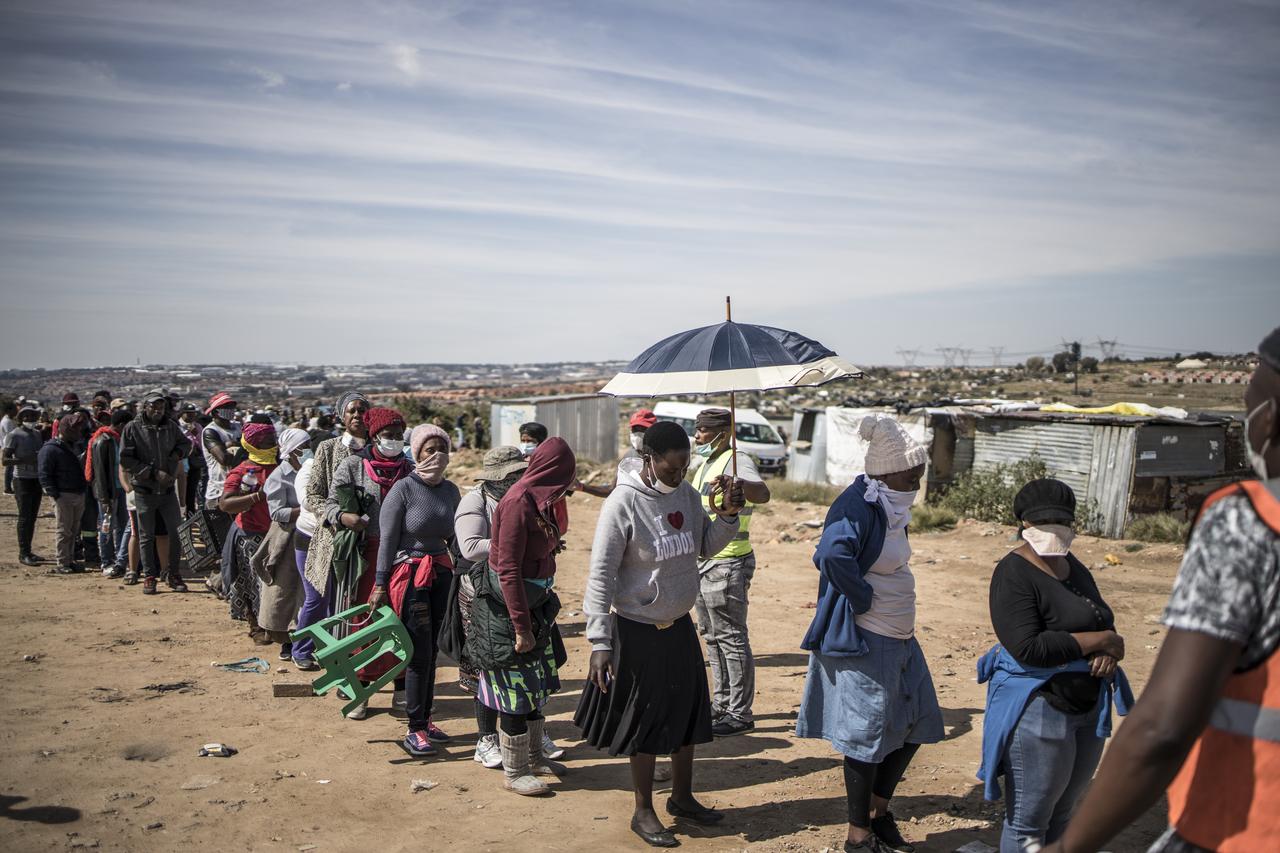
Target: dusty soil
[92, 755]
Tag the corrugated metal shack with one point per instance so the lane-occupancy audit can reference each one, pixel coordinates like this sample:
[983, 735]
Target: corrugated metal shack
[1118, 465]
[589, 422]
[826, 449]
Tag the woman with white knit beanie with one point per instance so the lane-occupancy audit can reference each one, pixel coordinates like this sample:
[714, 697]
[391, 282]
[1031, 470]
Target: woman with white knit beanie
[868, 690]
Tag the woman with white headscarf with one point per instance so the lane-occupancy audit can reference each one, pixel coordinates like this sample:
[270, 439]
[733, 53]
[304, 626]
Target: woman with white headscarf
[275, 560]
[868, 690]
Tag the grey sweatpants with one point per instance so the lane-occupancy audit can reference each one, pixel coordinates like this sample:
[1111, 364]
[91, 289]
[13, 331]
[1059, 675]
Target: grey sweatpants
[67, 510]
[722, 622]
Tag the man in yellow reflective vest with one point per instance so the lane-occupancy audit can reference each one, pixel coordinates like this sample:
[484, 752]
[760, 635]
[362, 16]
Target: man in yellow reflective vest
[726, 580]
[1207, 727]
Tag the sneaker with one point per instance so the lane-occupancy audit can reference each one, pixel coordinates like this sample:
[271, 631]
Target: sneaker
[175, 582]
[434, 732]
[488, 752]
[885, 828]
[306, 664]
[418, 745]
[359, 712]
[549, 748]
[286, 651]
[149, 586]
[63, 570]
[728, 727]
[113, 572]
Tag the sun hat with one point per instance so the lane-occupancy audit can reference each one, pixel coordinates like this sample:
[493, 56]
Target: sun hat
[502, 462]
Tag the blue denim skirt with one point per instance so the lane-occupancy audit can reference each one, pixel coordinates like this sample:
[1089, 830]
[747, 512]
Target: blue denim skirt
[869, 706]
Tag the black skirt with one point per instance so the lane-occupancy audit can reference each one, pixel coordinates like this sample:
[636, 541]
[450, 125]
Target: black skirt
[658, 701]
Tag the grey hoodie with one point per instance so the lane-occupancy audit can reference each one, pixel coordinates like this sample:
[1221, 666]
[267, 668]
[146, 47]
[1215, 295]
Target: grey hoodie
[644, 561]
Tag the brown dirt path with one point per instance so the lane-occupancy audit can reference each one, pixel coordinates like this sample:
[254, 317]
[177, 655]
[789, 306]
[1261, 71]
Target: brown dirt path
[90, 758]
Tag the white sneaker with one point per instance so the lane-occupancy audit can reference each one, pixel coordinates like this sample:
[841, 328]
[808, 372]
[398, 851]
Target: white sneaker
[488, 752]
[359, 712]
[549, 748]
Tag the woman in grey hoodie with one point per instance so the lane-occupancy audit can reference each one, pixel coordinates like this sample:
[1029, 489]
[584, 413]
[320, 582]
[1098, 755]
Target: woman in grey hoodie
[647, 694]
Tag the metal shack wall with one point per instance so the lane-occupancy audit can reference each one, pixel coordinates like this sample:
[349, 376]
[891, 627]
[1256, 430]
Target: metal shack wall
[589, 424]
[1066, 449]
[1111, 478]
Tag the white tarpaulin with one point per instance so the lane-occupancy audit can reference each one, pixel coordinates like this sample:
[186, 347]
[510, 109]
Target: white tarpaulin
[845, 448]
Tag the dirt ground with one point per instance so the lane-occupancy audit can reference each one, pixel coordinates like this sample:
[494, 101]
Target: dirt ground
[93, 756]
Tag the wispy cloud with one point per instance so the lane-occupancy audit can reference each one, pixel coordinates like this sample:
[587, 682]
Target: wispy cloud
[562, 161]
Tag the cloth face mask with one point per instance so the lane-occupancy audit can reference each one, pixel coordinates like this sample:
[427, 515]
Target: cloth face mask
[431, 468]
[1049, 540]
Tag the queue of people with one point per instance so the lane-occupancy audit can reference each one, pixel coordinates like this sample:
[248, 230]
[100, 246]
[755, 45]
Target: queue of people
[371, 516]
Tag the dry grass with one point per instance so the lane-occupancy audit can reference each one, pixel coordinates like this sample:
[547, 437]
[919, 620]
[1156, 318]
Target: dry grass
[1158, 527]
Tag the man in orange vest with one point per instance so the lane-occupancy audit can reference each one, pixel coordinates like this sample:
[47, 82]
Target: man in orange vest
[1207, 727]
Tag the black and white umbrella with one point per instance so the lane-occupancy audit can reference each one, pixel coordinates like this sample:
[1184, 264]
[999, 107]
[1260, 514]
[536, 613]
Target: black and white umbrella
[727, 358]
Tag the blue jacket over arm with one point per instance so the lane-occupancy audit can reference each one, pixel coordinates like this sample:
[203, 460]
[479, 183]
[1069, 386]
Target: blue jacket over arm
[850, 545]
[1010, 686]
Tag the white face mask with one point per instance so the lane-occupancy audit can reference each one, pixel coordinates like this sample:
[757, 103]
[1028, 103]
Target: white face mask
[527, 449]
[1049, 540]
[1257, 458]
[659, 486]
[353, 442]
[637, 441]
[390, 447]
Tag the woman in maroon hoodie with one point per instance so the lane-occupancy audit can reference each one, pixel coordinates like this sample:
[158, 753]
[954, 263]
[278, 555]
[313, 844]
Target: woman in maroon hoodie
[525, 539]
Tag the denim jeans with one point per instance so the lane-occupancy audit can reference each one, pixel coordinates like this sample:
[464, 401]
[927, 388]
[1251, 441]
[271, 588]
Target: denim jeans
[722, 622]
[1050, 759]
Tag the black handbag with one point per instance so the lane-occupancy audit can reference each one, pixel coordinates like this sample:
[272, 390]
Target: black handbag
[452, 636]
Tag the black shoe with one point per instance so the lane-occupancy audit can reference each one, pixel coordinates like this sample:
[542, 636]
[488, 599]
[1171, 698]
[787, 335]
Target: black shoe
[728, 727]
[63, 570]
[885, 828]
[37, 558]
[77, 568]
[654, 839]
[28, 560]
[870, 844]
[701, 815]
[286, 651]
[176, 583]
[115, 572]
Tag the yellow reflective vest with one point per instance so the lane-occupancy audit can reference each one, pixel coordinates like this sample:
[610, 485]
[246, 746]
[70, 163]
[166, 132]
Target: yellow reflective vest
[702, 479]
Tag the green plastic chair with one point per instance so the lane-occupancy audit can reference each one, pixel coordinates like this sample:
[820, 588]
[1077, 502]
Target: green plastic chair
[343, 657]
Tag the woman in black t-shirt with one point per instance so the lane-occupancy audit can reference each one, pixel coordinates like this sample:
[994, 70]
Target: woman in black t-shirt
[1047, 612]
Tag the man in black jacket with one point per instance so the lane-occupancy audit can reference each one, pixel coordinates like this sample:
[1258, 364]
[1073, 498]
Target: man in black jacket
[152, 448]
[104, 482]
[62, 478]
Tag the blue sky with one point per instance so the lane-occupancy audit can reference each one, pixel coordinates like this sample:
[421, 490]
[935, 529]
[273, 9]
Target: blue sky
[461, 181]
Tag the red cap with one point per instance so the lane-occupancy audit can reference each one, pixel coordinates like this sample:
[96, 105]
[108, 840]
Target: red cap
[70, 397]
[217, 401]
[643, 418]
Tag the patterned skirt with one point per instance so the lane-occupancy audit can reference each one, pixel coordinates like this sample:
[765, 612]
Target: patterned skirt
[523, 689]
[244, 594]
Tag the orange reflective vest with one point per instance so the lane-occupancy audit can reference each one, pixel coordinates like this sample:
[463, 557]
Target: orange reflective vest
[1226, 797]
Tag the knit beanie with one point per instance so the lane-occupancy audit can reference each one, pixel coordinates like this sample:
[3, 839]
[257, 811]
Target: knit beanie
[421, 433]
[889, 448]
[378, 419]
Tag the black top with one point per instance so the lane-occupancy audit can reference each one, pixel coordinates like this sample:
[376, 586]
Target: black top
[1034, 616]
